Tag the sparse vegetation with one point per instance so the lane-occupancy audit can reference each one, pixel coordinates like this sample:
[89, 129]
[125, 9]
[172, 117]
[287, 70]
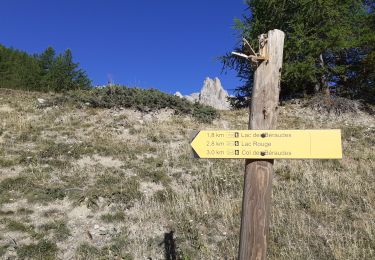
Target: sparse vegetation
[86, 251]
[106, 183]
[59, 228]
[3, 249]
[116, 217]
[18, 226]
[42, 250]
[334, 105]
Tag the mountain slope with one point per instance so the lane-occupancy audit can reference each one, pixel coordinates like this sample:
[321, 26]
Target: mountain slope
[95, 183]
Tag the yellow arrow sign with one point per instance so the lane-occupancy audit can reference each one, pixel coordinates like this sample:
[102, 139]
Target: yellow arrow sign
[269, 144]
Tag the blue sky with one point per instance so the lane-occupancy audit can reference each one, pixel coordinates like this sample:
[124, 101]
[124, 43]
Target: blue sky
[166, 44]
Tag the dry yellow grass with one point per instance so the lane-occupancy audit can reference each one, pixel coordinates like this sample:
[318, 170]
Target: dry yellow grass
[105, 184]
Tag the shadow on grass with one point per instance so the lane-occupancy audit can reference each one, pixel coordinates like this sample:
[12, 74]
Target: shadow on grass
[169, 246]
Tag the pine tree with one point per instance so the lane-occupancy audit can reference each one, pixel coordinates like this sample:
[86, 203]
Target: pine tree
[43, 72]
[18, 70]
[69, 76]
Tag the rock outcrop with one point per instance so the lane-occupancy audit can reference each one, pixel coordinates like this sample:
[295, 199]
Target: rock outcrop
[212, 94]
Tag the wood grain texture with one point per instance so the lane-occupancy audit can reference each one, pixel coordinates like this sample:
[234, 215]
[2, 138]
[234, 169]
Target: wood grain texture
[256, 202]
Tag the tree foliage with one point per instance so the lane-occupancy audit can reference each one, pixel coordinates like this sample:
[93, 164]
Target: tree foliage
[41, 72]
[329, 45]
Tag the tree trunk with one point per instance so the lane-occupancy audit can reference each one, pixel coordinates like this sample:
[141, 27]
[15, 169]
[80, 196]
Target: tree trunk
[324, 88]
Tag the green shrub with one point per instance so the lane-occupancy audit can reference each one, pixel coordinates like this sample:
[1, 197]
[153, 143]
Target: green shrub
[204, 114]
[144, 100]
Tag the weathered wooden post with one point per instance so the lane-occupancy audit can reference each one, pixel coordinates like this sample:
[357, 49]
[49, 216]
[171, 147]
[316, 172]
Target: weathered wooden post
[262, 144]
[256, 202]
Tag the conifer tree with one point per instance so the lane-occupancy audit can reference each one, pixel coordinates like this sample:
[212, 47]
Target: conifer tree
[43, 72]
[324, 43]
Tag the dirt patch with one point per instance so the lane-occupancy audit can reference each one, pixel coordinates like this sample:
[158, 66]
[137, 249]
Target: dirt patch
[105, 161]
[149, 188]
[158, 116]
[10, 172]
[6, 109]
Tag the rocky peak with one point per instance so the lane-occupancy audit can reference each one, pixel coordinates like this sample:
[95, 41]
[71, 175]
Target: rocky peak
[212, 94]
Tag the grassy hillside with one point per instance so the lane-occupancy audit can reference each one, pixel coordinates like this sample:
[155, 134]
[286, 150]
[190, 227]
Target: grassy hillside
[97, 183]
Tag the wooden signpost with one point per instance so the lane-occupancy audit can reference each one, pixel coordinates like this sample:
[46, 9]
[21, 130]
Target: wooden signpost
[260, 145]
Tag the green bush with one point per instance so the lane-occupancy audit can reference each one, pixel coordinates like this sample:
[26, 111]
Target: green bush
[204, 113]
[144, 100]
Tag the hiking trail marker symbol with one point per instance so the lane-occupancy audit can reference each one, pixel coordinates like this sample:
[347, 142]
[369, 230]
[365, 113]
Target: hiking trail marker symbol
[262, 143]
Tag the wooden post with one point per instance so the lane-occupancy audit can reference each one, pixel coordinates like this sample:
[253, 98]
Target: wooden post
[256, 202]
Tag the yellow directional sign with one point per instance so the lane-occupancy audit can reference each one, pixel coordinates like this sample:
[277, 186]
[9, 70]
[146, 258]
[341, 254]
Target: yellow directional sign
[269, 144]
